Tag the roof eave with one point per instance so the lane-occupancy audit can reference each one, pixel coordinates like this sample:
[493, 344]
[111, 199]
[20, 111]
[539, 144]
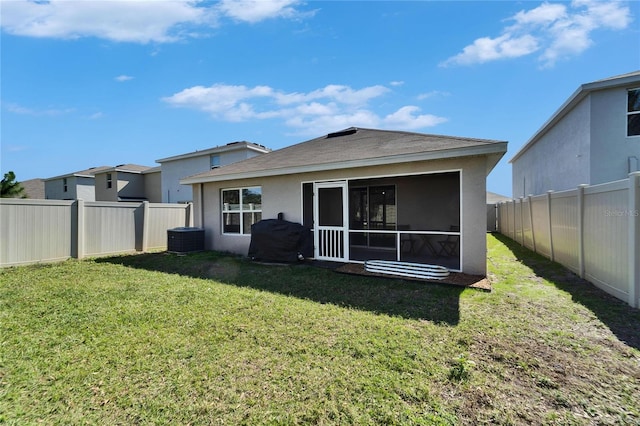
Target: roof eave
[68, 175]
[494, 148]
[218, 149]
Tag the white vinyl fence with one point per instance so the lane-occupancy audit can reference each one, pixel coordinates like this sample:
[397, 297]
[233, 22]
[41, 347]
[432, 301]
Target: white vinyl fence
[33, 231]
[593, 230]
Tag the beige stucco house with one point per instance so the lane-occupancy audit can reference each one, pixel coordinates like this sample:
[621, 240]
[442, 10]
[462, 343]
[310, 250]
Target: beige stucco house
[365, 193]
[72, 186]
[177, 167]
[128, 182]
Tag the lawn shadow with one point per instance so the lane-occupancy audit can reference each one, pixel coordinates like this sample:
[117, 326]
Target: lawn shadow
[622, 319]
[431, 302]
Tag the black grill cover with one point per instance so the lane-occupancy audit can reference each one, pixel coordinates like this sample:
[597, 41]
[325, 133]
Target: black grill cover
[278, 240]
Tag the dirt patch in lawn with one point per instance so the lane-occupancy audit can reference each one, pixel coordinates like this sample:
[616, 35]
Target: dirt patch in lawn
[454, 278]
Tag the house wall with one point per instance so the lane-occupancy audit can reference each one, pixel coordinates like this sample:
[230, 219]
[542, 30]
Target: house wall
[153, 187]
[130, 185]
[77, 188]
[85, 188]
[173, 171]
[560, 159]
[53, 190]
[610, 146]
[282, 194]
[102, 192]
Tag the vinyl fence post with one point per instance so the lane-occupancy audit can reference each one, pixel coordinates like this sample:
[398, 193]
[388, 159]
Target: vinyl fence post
[581, 229]
[522, 221]
[79, 229]
[188, 215]
[533, 233]
[515, 233]
[634, 239]
[551, 253]
[145, 226]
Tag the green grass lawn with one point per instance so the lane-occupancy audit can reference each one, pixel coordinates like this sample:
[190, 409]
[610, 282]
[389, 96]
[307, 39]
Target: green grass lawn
[210, 338]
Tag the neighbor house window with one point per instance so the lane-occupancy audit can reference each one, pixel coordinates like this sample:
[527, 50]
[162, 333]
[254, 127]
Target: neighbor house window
[633, 112]
[215, 161]
[241, 208]
[109, 181]
[64, 184]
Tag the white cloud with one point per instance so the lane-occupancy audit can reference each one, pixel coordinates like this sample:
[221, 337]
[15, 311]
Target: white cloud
[315, 112]
[555, 30]
[253, 11]
[432, 94]
[96, 116]
[408, 118]
[49, 112]
[16, 148]
[122, 78]
[139, 21]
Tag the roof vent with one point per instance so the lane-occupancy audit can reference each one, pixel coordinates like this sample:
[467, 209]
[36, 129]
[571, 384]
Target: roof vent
[349, 131]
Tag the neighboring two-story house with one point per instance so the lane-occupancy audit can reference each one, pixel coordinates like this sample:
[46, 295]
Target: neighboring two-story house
[72, 186]
[593, 138]
[184, 165]
[128, 182]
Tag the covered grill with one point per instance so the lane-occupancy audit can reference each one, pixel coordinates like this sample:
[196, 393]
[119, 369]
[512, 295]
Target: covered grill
[277, 240]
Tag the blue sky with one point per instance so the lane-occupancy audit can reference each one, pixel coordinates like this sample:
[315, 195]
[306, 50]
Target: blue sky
[90, 83]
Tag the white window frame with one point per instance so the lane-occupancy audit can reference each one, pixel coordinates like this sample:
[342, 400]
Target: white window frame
[242, 209]
[65, 185]
[109, 181]
[630, 113]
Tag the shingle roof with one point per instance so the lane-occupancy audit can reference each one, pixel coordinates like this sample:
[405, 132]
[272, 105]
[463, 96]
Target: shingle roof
[90, 172]
[351, 148]
[135, 168]
[34, 188]
[231, 146]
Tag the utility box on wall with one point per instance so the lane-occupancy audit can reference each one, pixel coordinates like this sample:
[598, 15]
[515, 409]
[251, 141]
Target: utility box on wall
[185, 240]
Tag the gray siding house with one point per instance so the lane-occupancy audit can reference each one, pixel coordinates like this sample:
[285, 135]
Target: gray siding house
[184, 165]
[364, 193]
[72, 186]
[594, 137]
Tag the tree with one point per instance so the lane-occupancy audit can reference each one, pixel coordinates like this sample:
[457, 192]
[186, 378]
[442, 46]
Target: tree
[10, 188]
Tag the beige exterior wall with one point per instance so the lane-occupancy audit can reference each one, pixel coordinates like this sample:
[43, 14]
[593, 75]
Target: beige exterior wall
[153, 187]
[130, 185]
[78, 187]
[102, 192]
[283, 194]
